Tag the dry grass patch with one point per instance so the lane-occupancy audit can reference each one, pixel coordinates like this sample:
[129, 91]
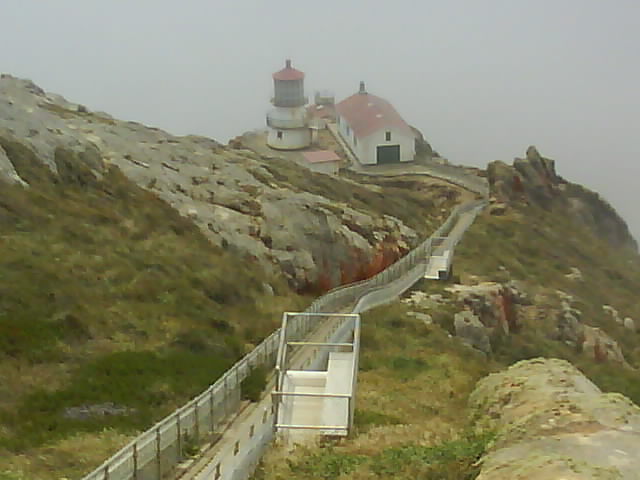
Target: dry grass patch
[69, 458]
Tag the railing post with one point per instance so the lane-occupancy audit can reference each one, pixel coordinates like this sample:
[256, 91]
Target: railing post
[226, 396]
[238, 388]
[179, 439]
[106, 472]
[135, 461]
[211, 411]
[158, 458]
[197, 422]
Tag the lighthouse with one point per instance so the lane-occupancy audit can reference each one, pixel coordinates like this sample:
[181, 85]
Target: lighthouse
[287, 120]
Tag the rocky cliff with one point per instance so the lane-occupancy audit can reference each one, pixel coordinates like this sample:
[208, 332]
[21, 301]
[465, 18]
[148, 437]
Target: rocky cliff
[318, 237]
[552, 422]
[533, 180]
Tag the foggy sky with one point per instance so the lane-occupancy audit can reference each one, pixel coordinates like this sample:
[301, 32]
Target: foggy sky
[481, 79]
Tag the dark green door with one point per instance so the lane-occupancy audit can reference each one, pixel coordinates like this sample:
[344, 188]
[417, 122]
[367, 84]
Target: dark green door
[388, 154]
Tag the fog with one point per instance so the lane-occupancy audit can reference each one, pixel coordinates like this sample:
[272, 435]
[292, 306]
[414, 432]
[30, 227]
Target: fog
[481, 79]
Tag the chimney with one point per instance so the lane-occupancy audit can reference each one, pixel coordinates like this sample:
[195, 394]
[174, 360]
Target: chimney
[287, 63]
[362, 90]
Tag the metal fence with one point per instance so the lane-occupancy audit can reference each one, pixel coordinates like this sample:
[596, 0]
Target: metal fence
[240, 450]
[156, 452]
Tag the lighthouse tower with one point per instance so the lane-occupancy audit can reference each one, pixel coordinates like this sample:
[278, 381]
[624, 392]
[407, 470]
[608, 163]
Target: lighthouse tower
[287, 121]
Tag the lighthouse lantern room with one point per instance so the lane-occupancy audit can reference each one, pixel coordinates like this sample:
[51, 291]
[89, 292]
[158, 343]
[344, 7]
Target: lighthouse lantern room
[287, 121]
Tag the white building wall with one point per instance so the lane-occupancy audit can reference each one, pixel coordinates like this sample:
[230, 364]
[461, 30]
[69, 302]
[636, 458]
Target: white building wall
[356, 145]
[398, 137]
[366, 148]
[292, 138]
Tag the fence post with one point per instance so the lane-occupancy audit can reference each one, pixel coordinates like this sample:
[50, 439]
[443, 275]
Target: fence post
[226, 396]
[211, 410]
[135, 461]
[158, 458]
[179, 436]
[238, 385]
[197, 424]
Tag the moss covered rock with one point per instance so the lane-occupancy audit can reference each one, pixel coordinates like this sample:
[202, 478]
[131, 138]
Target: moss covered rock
[553, 422]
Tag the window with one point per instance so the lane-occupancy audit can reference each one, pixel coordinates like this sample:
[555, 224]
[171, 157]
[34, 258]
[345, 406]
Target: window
[279, 135]
[387, 136]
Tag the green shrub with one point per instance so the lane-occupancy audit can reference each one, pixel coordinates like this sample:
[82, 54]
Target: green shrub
[328, 464]
[407, 367]
[254, 384]
[453, 460]
[369, 418]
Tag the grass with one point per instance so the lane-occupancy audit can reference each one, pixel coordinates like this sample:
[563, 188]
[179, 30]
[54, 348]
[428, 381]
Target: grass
[410, 199]
[108, 295]
[452, 460]
[414, 380]
[411, 419]
[539, 247]
[148, 383]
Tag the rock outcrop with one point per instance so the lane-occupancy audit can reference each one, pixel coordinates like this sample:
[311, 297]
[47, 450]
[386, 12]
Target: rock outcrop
[495, 304]
[471, 331]
[552, 422]
[231, 194]
[7, 170]
[534, 180]
[593, 342]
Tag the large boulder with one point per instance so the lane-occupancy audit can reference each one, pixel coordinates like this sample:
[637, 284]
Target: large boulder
[8, 172]
[471, 331]
[552, 422]
[495, 304]
[591, 341]
[237, 198]
[600, 347]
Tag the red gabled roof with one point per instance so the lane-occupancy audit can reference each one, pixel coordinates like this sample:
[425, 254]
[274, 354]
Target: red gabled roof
[366, 114]
[288, 73]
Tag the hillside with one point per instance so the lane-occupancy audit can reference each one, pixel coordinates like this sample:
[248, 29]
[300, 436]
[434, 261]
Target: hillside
[530, 280]
[128, 286]
[136, 266]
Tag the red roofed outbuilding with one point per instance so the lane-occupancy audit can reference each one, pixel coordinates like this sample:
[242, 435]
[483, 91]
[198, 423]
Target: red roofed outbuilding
[323, 161]
[374, 130]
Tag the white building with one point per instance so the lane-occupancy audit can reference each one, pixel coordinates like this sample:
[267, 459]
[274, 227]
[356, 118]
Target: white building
[374, 130]
[287, 121]
[323, 161]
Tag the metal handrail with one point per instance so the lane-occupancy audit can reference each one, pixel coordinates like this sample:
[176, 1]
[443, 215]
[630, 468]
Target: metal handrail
[356, 293]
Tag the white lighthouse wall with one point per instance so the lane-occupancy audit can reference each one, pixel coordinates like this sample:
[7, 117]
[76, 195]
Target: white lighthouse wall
[292, 138]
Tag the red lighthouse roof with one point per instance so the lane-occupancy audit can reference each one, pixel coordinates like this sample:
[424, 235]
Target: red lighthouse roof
[288, 73]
